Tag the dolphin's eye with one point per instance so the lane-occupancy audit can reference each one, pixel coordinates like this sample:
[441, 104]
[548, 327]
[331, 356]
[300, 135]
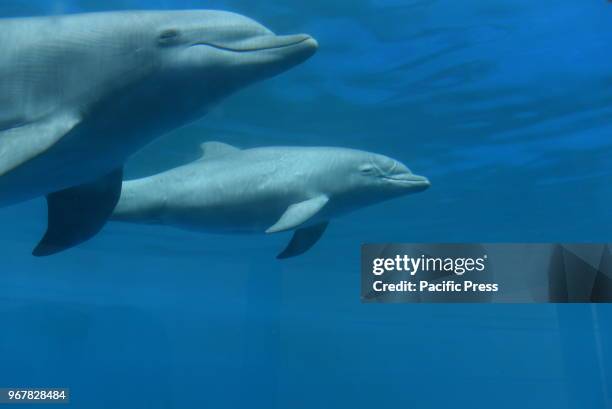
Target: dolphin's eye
[169, 37]
[367, 169]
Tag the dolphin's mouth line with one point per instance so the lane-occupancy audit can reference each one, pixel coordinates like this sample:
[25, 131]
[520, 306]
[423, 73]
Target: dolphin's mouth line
[254, 49]
[411, 181]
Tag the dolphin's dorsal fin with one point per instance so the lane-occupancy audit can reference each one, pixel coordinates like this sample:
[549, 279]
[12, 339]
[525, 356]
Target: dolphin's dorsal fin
[216, 149]
[298, 214]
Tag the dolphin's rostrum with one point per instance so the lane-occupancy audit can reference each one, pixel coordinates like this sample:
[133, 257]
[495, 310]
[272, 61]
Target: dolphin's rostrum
[81, 93]
[266, 190]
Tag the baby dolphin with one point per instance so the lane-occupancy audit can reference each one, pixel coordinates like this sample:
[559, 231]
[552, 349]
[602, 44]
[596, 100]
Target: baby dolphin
[81, 93]
[266, 190]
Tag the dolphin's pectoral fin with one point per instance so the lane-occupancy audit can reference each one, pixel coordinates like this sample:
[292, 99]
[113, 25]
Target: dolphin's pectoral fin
[23, 143]
[79, 213]
[216, 149]
[303, 240]
[299, 213]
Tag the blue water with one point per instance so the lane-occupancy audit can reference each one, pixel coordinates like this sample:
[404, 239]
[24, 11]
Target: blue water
[506, 105]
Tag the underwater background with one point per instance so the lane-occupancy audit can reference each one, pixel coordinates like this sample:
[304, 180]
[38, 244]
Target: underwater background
[505, 105]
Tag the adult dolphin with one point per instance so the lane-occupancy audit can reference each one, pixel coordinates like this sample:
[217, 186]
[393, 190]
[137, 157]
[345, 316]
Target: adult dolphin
[269, 190]
[80, 93]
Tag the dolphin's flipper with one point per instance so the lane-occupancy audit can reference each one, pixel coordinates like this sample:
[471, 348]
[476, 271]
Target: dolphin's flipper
[78, 213]
[24, 142]
[299, 213]
[216, 149]
[303, 240]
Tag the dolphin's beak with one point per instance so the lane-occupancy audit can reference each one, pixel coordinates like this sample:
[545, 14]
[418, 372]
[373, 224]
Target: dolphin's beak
[422, 183]
[267, 42]
[272, 42]
[415, 183]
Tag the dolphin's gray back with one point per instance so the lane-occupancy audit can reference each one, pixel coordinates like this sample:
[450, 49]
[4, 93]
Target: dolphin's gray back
[65, 62]
[268, 167]
[234, 177]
